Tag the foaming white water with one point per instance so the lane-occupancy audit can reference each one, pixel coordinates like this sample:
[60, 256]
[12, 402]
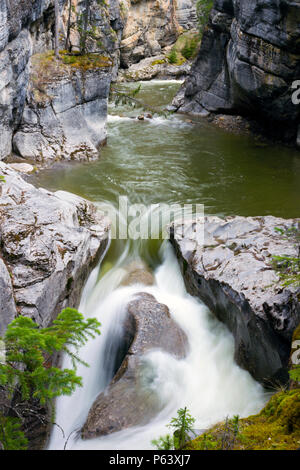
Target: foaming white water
[207, 381]
[161, 82]
[117, 118]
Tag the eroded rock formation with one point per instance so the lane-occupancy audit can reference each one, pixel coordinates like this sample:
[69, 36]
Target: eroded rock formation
[49, 244]
[233, 274]
[26, 28]
[128, 401]
[248, 61]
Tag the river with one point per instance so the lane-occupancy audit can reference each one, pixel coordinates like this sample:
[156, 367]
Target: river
[169, 160]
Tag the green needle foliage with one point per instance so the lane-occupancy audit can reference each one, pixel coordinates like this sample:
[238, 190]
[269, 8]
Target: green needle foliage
[172, 57]
[182, 427]
[11, 435]
[29, 350]
[295, 373]
[204, 8]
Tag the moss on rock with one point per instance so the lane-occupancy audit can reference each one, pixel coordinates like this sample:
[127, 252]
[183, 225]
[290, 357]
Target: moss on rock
[276, 427]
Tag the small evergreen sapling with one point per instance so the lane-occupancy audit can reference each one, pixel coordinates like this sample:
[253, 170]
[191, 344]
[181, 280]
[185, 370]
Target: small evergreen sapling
[26, 366]
[182, 427]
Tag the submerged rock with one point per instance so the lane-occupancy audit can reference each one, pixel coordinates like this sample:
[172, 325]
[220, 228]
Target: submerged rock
[138, 272]
[234, 275]
[130, 399]
[49, 244]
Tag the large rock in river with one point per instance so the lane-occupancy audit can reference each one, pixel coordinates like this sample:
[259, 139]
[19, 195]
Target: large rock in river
[128, 401]
[49, 244]
[233, 273]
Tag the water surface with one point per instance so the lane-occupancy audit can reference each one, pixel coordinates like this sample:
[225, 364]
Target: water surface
[169, 160]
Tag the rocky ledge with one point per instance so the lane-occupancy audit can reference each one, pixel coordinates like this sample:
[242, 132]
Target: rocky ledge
[233, 274]
[154, 67]
[49, 242]
[127, 401]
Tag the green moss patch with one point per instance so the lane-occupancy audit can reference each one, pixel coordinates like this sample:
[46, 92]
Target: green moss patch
[276, 427]
[87, 61]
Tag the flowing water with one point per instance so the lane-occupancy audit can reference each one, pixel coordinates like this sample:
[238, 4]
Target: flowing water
[169, 161]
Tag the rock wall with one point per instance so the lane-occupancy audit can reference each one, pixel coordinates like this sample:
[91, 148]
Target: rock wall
[152, 26]
[249, 58]
[232, 272]
[49, 242]
[65, 111]
[186, 14]
[26, 28]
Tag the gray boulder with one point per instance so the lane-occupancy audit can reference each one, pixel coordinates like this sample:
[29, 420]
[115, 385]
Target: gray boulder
[154, 67]
[232, 272]
[128, 401]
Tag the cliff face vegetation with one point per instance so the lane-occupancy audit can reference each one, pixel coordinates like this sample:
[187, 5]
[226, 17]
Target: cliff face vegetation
[248, 62]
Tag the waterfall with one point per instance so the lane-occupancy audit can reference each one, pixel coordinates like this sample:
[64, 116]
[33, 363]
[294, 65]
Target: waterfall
[207, 381]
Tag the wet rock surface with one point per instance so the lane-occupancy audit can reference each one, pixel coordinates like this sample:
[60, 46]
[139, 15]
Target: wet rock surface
[233, 274]
[49, 244]
[129, 401]
[138, 272]
[248, 61]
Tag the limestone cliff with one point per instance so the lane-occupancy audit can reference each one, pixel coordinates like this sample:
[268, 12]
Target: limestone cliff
[248, 61]
[152, 26]
[26, 28]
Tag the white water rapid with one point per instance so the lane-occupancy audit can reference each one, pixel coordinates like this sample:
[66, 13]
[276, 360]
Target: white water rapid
[207, 381]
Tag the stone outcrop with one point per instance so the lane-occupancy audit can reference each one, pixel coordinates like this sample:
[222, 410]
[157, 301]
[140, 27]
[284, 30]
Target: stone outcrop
[65, 111]
[49, 242]
[233, 273]
[26, 28]
[107, 21]
[150, 27]
[248, 61]
[127, 401]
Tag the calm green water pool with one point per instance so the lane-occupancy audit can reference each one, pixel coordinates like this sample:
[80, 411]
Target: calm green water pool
[175, 161]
